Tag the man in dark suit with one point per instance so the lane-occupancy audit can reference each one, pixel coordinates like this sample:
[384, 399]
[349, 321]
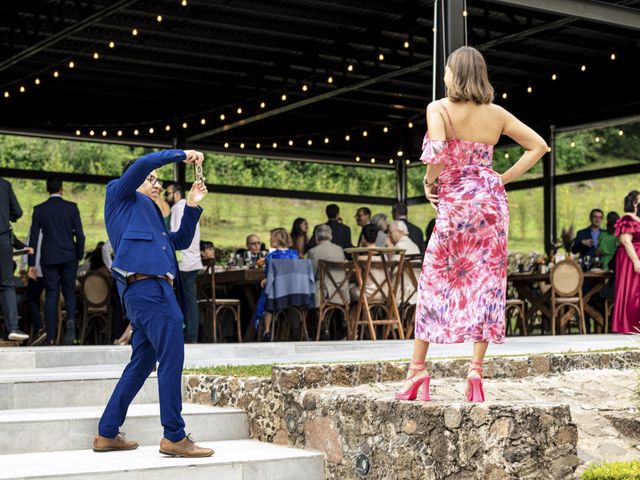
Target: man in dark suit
[399, 212]
[10, 211]
[145, 269]
[588, 239]
[62, 247]
[341, 234]
[363, 218]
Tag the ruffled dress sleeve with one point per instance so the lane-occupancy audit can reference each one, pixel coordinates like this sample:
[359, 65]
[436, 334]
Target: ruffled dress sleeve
[434, 151]
[627, 224]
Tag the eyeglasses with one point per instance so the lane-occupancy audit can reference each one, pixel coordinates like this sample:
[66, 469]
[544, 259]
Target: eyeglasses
[154, 181]
[254, 243]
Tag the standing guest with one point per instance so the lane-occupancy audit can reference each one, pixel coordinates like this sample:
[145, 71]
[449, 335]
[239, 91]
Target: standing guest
[626, 310]
[399, 212]
[363, 218]
[145, 268]
[190, 262]
[462, 288]
[341, 233]
[381, 222]
[608, 243]
[10, 211]
[62, 248]
[587, 240]
[281, 243]
[399, 238]
[300, 236]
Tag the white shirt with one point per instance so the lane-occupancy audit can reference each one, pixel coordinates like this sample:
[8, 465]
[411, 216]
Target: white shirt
[107, 251]
[191, 259]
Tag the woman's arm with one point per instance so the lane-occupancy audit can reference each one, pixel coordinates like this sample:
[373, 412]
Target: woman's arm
[533, 143]
[625, 239]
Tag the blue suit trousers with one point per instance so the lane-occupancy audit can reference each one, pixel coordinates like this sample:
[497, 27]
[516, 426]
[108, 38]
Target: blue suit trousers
[156, 319]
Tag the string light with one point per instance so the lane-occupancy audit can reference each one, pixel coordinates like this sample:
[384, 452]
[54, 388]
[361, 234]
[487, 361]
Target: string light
[620, 132]
[613, 56]
[112, 44]
[504, 95]
[183, 3]
[385, 130]
[529, 89]
[583, 68]
[305, 88]
[381, 57]
[274, 145]
[330, 79]
[136, 132]
[22, 89]
[226, 145]
[391, 161]
[373, 160]
[78, 132]
[400, 153]
[326, 139]
[597, 139]
[258, 146]
[407, 161]
[242, 145]
[464, 13]
[134, 32]
[347, 137]
[119, 133]
[71, 65]
[159, 18]
[6, 94]
[151, 130]
[573, 144]
[309, 142]
[203, 121]
[92, 133]
[506, 155]
[284, 97]
[554, 77]
[406, 44]
[56, 74]
[239, 111]
[350, 68]
[222, 117]
[262, 104]
[184, 125]
[365, 133]
[104, 133]
[167, 128]
[357, 159]
[410, 125]
[291, 143]
[37, 81]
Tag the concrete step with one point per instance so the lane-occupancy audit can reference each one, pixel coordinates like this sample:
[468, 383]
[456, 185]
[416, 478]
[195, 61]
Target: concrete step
[66, 387]
[73, 428]
[233, 460]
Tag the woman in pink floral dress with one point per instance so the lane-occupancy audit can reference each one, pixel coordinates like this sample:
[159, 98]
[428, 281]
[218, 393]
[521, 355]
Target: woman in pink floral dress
[462, 288]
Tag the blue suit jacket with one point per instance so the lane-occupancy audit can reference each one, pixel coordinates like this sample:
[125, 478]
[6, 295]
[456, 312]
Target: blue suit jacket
[62, 235]
[578, 247]
[140, 239]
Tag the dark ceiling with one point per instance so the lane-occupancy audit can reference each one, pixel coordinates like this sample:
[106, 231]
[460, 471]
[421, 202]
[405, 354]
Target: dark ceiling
[211, 57]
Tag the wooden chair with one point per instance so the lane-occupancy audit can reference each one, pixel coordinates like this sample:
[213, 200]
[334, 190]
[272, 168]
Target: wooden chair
[408, 294]
[333, 292]
[515, 305]
[95, 289]
[213, 306]
[566, 293]
[366, 262]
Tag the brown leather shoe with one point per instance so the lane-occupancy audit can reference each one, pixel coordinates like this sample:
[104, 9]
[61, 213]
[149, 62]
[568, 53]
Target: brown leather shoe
[184, 448]
[105, 444]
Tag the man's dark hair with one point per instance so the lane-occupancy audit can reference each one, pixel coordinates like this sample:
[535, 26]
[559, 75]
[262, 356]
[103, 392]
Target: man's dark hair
[399, 209]
[629, 199]
[595, 210]
[177, 187]
[370, 233]
[54, 184]
[127, 165]
[332, 211]
[205, 244]
[365, 210]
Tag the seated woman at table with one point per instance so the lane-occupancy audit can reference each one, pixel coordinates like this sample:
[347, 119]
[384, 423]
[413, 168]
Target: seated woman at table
[299, 236]
[626, 310]
[281, 242]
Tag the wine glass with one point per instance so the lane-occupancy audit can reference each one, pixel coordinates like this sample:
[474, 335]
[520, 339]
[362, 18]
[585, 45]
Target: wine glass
[247, 258]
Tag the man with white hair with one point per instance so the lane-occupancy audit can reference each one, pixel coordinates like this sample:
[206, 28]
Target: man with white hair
[324, 249]
[399, 238]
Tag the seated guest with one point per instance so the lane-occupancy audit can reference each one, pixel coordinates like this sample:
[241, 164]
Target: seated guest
[207, 251]
[281, 243]
[341, 233]
[399, 238]
[382, 224]
[325, 249]
[588, 239]
[363, 218]
[95, 259]
[608, 241]
[299, 236]
[399, 212]
[370, 233]
[254, 246]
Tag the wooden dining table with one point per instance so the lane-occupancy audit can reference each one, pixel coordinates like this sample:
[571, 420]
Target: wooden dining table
[249, 280]
[541, 302]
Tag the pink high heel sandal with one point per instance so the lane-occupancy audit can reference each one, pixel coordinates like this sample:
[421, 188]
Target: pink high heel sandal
[412, 392]
[475, 392]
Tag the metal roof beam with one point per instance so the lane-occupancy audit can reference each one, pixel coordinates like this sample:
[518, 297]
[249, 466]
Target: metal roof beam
[599, 12]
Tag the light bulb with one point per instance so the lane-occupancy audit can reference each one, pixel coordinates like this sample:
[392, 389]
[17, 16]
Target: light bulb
[330, 79]
[357, 159]
[78, 132]
[554, 77]
[350, 68]
[326, 139]
[400, 153]
[226, 145]
[407, 161]
[22, 89]
[620, 132]
[72, 64]
[304, 88]
[56, 74]
[6, 94]
[151, 130]
[347, 137]
[529, 89]
[410, 124]
[613, 56]
[203, 121]
[136, 132]
[262, 104]
[391, 161]
[159, 18]
[284, 97]
[309, 142]
[184, 125]
[583, 68]
[167, 128]
[134, 32]
[96, 55]
[242, 145]
[291, 143]
[385, 129]
[373, 160]
[112, 44]
[381, 57]
[504, 95]
[37, 81]
[119, 133]
[222, 117]
[239, 111]
[258, 146]
[274, 145]
[365, 133]
[406, 44]
[92, 133]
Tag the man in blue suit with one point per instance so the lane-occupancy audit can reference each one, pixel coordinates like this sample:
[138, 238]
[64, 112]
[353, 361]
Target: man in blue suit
[61, 248]
[587, 240]
[146, 271]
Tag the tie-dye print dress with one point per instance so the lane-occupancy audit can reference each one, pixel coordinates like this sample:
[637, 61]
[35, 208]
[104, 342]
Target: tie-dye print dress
[462, 288]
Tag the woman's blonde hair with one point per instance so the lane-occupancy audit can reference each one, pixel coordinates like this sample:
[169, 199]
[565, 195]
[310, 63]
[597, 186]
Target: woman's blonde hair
[470, 78]
[281, 238]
